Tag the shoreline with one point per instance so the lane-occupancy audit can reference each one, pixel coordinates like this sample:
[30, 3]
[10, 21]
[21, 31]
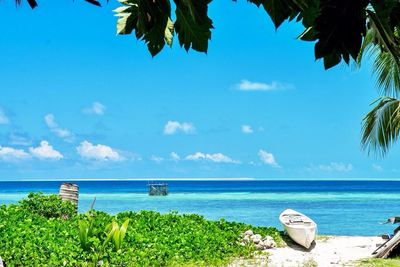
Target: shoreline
[328, 251]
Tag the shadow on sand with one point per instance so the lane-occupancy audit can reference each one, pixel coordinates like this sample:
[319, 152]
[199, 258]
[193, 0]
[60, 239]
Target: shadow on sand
[290, 243]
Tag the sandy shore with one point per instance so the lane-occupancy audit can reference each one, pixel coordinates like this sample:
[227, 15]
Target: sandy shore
[328, 251]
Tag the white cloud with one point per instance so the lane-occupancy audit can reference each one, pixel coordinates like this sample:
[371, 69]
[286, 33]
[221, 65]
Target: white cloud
[377, 167]
[174, 156]
[97, 109]
[217, 157]
[19, 139]
[60, 132]
[268, 158]
[45, 151]
[11, 154]
[156, 159]
[50, 121]
[332, 167]
[3, 117]
[98, 152]
[246, 85]
[173, 127]
[247, 129]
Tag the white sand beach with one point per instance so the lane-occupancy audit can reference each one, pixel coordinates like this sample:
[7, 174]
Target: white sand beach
[328, 251]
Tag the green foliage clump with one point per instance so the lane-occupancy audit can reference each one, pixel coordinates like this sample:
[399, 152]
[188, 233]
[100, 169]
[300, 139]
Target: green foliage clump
[30, 237]
[49, 206]
[395, 262]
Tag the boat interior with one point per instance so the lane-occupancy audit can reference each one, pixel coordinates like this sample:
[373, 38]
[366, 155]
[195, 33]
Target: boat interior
[291, 219]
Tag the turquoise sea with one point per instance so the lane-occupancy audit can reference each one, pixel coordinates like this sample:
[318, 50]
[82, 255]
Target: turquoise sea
[338, 207]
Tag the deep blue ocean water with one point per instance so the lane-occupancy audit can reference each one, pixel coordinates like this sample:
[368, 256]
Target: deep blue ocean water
[338, 207]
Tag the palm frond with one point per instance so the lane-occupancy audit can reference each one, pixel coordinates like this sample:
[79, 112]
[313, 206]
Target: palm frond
[381, 126]
[382, 46]
[387, 72]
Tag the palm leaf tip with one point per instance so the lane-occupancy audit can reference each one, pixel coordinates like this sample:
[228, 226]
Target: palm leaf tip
[381, 126]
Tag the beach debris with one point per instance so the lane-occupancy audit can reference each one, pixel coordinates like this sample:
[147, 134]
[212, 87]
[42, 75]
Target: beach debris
[392, 245]
[259, 242]
[388, 248]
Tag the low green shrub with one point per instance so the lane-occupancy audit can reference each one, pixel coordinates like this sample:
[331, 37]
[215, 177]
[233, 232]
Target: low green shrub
[31, 235]
[49, 206]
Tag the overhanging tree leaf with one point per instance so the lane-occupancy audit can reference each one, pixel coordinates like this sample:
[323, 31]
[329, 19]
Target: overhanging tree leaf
[169, 32]
[278, 10]
[94, 2]
[281, 10]
[340, 27]
[150, 20]
[32, 3]
[127, 18]
[192, 25]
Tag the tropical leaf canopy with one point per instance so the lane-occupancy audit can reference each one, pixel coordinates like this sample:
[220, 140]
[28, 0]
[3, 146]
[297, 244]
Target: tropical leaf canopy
[342, 30]
[337, 27]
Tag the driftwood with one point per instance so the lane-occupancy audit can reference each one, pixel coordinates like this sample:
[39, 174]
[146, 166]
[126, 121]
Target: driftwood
[393, 220]
[387, 248]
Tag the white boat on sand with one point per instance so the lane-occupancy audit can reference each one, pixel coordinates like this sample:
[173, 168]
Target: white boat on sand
[299, 227]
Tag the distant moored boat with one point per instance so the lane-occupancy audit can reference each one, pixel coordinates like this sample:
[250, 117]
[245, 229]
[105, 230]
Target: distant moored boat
[299, 227]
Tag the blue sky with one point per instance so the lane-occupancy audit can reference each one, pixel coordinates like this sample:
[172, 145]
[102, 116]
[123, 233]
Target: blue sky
[77, 101]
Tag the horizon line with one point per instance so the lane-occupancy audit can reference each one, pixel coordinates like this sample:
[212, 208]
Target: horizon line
[201, 179]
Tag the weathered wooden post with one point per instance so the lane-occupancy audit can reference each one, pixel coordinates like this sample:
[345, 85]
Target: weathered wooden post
[70, 192]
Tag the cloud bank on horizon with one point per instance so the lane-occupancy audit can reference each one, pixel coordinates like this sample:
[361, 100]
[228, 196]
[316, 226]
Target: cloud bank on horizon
[87, 151]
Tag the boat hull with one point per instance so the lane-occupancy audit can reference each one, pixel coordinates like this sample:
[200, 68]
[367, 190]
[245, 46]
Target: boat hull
[303, 237]
[302, 233]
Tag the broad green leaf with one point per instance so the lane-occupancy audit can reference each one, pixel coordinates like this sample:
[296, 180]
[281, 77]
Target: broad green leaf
[83, 234]
[339, 28]
[307, 35]
[127, 18]
[193, 26]
[150, 20]
[281, 10]
[123, 229]
[169, 32]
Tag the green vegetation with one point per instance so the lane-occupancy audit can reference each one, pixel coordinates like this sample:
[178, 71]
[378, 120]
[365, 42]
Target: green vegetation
[48, 206]
[310, 263]
[380, 263]
[32, 234]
